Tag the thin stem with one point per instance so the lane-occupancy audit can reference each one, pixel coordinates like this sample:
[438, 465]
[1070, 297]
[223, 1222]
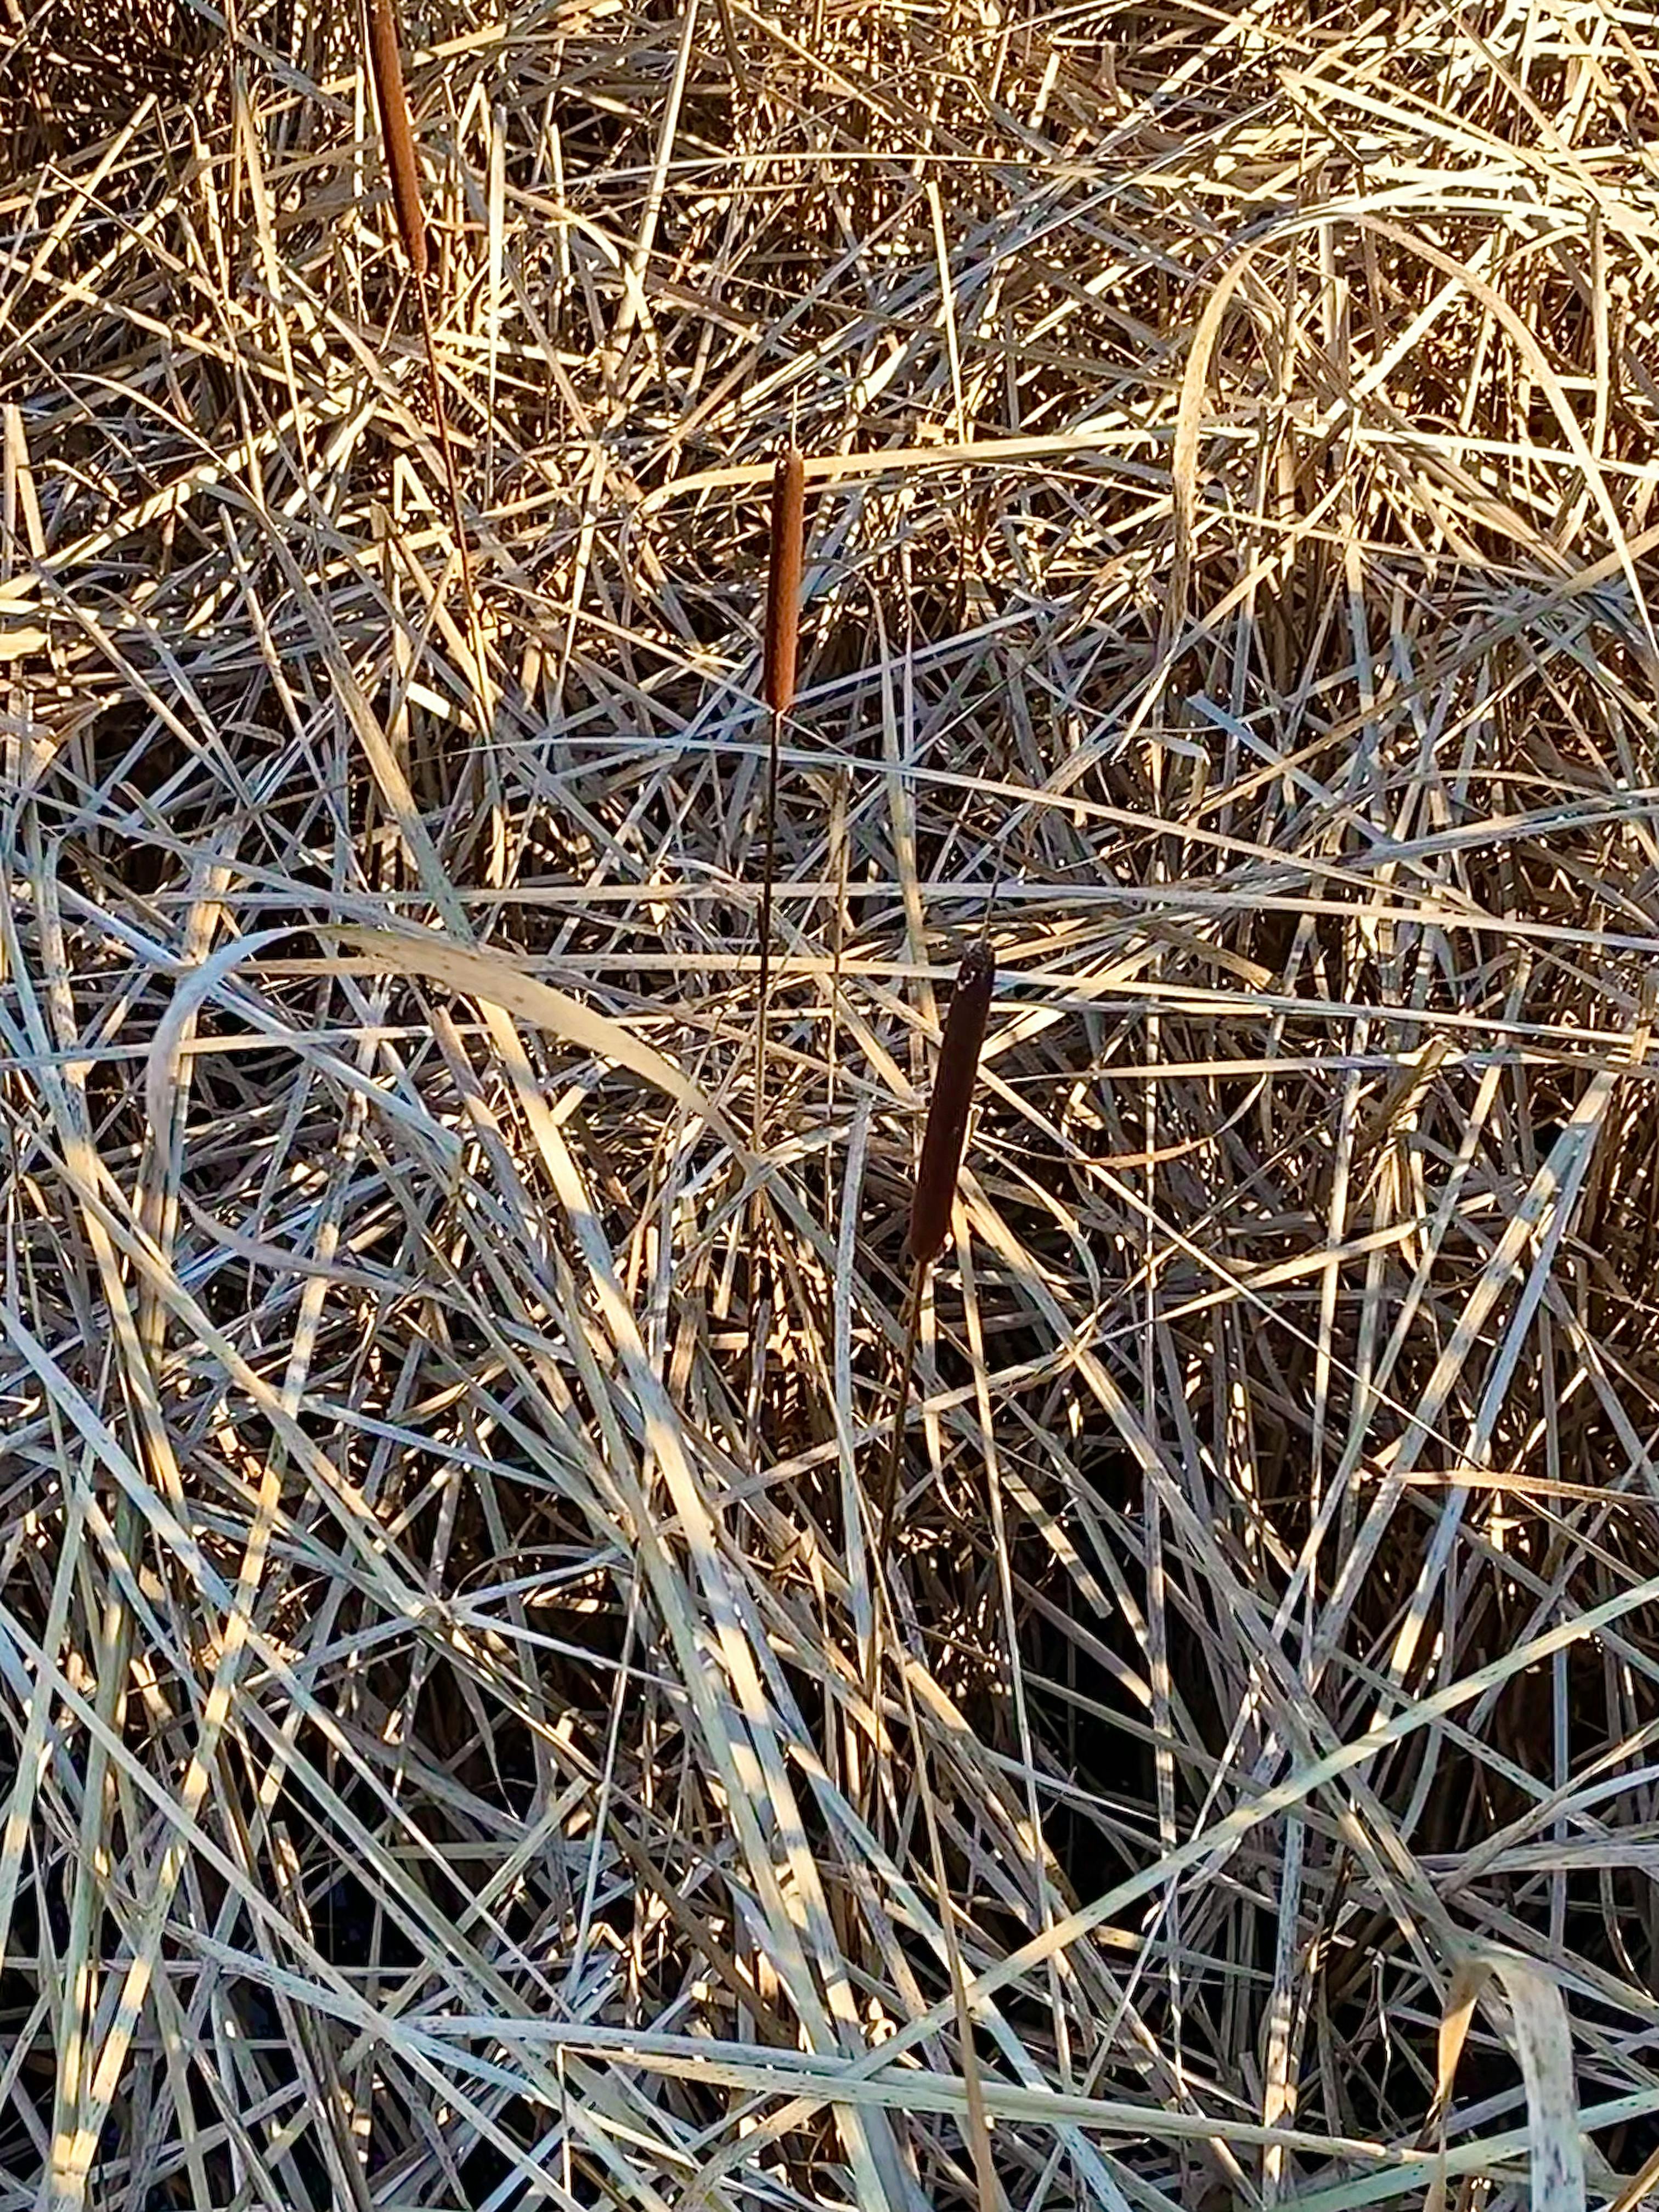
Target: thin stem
[453, 485]
[769, 859]
[890, 1481]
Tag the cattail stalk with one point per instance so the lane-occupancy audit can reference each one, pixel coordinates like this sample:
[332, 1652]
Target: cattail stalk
[783, 580]
[397, 145]
[936, 1175]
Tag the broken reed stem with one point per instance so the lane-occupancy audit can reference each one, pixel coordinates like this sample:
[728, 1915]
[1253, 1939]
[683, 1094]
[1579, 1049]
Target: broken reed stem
[783, 576]
[937, 1175]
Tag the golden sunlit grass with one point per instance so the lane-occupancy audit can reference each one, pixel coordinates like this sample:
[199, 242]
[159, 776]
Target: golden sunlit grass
[467, 1744]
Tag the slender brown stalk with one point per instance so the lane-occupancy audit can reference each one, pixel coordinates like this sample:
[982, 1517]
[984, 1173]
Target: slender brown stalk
[782, 640]
[453, 485]
[888, 1498]
[398, 144]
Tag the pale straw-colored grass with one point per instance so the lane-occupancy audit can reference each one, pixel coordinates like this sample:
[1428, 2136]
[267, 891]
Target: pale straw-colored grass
[441, 1591]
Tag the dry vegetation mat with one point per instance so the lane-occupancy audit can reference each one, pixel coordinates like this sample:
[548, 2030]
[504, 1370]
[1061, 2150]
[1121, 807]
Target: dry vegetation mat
[473, 1733]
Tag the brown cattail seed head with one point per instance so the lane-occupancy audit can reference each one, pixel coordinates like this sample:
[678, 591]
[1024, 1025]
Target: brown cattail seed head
[952, 1102]
[783, 579]
[396, 139]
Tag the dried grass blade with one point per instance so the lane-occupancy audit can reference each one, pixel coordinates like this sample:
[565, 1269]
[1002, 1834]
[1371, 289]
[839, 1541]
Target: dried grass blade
[481, 974]
[1543, 2042]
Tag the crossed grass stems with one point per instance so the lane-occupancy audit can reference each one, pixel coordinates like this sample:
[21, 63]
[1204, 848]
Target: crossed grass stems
[1576, 1164]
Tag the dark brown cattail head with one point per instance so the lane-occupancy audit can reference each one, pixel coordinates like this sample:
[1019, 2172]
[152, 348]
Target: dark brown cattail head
[396, 139]
[953, 1101]
[783, 579]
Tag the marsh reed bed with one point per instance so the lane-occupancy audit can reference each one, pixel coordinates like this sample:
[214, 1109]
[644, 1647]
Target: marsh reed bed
[473, 1735]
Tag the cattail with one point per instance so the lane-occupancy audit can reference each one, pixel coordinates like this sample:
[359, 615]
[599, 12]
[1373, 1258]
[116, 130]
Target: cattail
[952, 1102]
[782, 634]
[783, 580]
[936, 1181]
[397, 140]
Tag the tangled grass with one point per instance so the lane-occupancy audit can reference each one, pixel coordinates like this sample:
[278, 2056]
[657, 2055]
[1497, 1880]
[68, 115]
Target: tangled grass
[470, 1748]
